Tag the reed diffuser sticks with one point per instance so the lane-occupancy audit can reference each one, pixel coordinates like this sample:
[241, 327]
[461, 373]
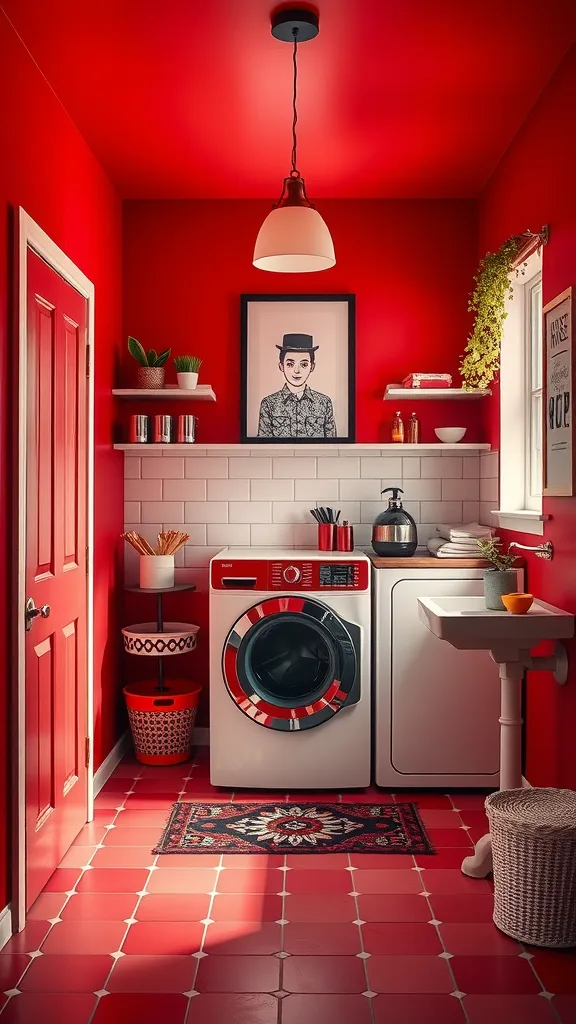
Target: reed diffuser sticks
[168, 543]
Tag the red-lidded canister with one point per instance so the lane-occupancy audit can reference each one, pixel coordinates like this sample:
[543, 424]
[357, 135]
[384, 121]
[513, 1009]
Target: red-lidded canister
[344, 537]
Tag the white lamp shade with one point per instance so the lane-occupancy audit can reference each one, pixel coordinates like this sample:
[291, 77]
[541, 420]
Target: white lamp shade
[294, 240]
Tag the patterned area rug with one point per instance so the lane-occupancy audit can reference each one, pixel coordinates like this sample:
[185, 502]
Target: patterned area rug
[293, 828]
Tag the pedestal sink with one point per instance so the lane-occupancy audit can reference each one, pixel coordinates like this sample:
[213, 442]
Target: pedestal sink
[467, 624]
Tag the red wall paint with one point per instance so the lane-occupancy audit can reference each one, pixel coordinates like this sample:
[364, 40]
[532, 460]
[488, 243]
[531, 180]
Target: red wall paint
[534, 185]
[46, 167]
[410, 264]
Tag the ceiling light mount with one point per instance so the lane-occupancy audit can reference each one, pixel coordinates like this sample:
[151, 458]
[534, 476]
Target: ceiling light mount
[293, 19]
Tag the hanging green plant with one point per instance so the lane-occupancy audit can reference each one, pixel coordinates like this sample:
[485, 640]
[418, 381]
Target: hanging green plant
[481, 359]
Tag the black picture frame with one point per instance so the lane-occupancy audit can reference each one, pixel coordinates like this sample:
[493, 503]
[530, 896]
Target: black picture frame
[245, 302]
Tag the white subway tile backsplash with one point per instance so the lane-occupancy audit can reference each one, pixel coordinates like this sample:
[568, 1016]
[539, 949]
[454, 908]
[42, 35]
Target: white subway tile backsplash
[322, 491]
[158, 468]
[272, 535]
[470, 511]
[489, 490]
[206, 468]
[131, 511]
[305, 535]
[471, 467]
[250, 512]
[489, 464]
[206, 512]
[299, 466]
[441, 511]
[440, 468]
[155, 511]
[228, 490]
[131, 468]
[272, 490]
[196, 531]
[291, 511]
[362, 535]
[425, 531]
[184, 490]
[142, 490]
[249, 469]
[337, 469]
[237, 534]
[360, 490]
[486, 516]
[420, 490]
[461, 490]
[196, 556]
[382, 466]
[411, 467]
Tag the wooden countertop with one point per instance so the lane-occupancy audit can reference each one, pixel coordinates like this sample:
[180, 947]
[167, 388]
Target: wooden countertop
[426, 562]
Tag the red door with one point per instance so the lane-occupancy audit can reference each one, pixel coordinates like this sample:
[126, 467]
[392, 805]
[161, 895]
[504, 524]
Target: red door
[56, 590]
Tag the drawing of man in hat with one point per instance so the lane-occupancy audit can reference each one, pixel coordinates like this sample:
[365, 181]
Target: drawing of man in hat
[296, 410]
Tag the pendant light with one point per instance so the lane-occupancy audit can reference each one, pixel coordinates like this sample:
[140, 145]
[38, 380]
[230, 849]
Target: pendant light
[294, 238]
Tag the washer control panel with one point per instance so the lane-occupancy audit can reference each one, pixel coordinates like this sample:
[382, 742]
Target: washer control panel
[294, 575]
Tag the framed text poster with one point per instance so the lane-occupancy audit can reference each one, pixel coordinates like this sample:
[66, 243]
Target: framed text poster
[558, 396]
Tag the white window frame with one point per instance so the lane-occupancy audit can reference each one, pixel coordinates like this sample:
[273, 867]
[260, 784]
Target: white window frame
[532, 501]
[519, 510]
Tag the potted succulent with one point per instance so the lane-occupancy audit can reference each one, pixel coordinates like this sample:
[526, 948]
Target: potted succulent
[151, 364]
[501, 578]
[187, 371]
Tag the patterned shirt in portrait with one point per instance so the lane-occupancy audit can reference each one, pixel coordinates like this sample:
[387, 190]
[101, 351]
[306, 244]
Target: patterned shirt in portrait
[284, 415]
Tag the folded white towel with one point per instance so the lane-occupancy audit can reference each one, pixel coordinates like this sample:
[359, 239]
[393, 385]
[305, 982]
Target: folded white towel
[464, 531]
[448, 550]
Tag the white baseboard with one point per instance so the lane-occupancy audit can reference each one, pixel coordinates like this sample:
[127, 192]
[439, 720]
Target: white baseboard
[108, 765]
[202, 735]
[5, 925]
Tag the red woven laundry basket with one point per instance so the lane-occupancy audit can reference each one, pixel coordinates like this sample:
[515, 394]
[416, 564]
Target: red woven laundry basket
[162, 722]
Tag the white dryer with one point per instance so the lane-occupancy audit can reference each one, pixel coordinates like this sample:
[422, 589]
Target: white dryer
[290, 701]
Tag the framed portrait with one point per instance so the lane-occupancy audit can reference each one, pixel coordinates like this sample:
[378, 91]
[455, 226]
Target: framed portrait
[558, 448]
[298, 366]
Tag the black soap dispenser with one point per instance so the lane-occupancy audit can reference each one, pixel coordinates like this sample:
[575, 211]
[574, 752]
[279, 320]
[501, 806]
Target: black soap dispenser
[394, 533]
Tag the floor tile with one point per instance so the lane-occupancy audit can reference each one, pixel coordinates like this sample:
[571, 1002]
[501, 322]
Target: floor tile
[509, 1010]
[166, 784]
[152, 974]
[90, 835]
[238, 974]
[248, 907]
[469, 801]
[139, 836]
[393, 908]
[319, 908]
[328, 939]
[232, 1008]
[464, 907]
[117, 784]
[480, 939]
[141, 819]
[77, 856]
[31, 937]
[420, 1009]
[325, 1009]
[316, 861]
[122, 857]
[182, 880]
[401, 938]
[12, 967]
[556, 969]
[60, 973]
[565, 1005]
[494, 975]
[46, 906]
[124, 1007]
[168, 938]
[440, 819]
[387, 882]
[256, 796]
[113, 880]
[445, 857]
[99, 907]
[260, 861]
[450, 881]
[85, 937]
[382, 861]
[108, 800]
[310, 882]
[329, 974]
[307, 796]
[150, 802]
[476, 819]
[425, 801]
[62, 880]
[409, 974]
[187, 861]
[442, 838]
[50, 1008]
[242, 938]
[253, 880]
[173, 907]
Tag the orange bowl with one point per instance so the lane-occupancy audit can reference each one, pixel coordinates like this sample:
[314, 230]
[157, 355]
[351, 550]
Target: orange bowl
[517, 604]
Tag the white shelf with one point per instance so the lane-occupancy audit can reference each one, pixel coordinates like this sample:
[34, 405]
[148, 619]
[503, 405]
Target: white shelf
[394, 391]
[202, 393]
[329, 449]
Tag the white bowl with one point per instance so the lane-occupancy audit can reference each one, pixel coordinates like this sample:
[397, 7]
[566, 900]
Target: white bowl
[450, 435]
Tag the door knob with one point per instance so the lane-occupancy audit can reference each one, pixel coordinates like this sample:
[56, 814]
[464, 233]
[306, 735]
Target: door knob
[32, 612]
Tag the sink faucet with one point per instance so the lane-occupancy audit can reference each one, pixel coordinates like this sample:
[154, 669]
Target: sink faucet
[545, 550]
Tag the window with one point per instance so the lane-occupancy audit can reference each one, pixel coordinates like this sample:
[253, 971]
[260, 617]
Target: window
[521, 404]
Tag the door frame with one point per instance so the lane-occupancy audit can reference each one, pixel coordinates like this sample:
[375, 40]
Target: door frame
[29, 235]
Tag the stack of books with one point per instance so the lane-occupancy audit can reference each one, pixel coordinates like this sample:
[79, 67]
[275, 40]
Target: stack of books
[427, 380]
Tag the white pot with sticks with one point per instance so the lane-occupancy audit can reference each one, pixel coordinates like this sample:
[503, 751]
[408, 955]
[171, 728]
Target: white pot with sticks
[157, 565]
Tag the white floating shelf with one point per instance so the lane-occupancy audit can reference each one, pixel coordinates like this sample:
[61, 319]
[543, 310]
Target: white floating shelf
[400, 449]
[202, 393]
[396, 392]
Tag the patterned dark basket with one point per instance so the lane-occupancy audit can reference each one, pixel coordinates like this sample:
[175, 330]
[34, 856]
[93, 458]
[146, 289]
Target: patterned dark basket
[162, 724]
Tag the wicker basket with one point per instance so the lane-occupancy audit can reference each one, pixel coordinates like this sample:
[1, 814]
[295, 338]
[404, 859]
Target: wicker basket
[534, 849]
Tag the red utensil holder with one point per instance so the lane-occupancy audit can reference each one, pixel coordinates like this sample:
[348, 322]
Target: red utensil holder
[326, 537]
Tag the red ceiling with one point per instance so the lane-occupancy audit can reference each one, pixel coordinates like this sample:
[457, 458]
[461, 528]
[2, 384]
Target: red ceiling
[398, 98]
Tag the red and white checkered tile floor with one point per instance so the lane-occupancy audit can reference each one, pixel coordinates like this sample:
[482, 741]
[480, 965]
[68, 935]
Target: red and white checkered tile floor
[121, 935]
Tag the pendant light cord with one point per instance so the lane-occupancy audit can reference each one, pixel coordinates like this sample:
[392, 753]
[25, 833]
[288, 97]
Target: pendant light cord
[294, 172]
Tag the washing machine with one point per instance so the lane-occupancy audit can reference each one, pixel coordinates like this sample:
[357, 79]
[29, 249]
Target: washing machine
[290, 702]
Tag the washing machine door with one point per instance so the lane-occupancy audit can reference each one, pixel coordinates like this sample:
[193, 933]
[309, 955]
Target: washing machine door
[290, 663]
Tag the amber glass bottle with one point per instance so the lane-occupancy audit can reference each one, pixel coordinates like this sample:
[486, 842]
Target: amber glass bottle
[413, 430]
[397, 428]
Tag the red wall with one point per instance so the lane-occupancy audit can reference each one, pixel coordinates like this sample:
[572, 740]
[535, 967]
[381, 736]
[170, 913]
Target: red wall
[532, 186]
[410, 264]
[47, 168]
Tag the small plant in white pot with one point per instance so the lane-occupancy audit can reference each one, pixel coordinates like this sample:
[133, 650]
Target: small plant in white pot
[187, 371]
[501, 578]
[151, 364]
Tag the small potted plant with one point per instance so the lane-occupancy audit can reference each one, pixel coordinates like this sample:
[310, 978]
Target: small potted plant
[187, 371]
[151, 364]
[501, 578]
